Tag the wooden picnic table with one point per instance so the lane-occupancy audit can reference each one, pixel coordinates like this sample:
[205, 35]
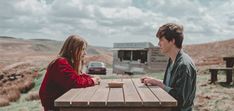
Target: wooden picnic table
[133, 96]
[229, 70]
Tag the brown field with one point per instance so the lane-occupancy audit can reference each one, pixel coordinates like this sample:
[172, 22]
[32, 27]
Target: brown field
[23, 64]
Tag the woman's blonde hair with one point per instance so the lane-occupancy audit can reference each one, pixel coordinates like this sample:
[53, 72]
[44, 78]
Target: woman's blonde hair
[72, 50]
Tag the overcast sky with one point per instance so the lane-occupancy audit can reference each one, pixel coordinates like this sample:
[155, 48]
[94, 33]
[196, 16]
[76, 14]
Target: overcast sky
[104, 22]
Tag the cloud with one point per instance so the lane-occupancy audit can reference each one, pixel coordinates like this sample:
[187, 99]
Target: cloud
[105, 22]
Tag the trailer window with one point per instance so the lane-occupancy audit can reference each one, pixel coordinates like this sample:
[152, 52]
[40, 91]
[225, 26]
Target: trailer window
[127, 55]
[140, 55]
[124, 55]
[133, 55]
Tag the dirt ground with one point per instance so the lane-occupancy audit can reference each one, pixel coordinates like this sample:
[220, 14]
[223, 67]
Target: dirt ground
[213, 97]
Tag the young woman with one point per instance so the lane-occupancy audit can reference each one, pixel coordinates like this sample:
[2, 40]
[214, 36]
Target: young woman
[65, 72]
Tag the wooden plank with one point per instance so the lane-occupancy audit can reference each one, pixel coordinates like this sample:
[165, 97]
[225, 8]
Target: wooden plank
[130, 94]
[233, 75]
[221, 68]
[115, 97]
[115, 109]
[85, 96]
[164, 98]
[100, 96]
[65, 99]
[229, 61]
[146, 95]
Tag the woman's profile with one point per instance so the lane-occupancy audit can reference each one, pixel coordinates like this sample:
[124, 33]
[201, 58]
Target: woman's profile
[65, 72]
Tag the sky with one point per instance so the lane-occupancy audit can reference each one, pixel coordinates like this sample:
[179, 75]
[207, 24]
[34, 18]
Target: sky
[104, 22]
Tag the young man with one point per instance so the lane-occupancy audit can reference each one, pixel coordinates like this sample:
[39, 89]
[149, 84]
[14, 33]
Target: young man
[180, 76]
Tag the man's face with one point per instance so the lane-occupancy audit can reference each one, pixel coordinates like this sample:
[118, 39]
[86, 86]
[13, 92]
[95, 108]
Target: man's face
[165, 45]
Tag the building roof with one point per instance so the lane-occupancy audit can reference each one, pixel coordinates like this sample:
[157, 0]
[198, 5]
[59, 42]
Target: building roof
[133, 45]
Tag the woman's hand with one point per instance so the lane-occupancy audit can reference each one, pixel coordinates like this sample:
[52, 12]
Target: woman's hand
[96, 80]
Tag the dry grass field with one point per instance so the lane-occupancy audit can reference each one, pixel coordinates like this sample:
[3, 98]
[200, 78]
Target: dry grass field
[23, 63]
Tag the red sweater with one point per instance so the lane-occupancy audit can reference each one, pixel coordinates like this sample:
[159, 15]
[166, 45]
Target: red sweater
[59, 78]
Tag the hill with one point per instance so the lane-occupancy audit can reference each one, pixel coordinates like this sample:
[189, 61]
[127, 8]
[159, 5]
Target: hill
[14, 50]
[41, 51]
[211, 53]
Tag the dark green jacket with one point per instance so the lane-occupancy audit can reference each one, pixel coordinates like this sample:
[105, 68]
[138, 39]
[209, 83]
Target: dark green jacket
[182, 81]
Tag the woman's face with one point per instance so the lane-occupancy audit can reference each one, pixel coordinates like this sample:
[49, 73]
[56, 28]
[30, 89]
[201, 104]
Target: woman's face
[83, 52]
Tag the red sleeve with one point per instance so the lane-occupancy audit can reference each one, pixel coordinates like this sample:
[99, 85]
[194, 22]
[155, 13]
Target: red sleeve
[85, 75]
[67, 78]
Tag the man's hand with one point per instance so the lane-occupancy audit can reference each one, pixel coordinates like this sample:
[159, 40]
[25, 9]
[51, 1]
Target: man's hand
[145, 77]
[154, 82]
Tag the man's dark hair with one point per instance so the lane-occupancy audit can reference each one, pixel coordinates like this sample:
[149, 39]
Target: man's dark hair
[172, 31]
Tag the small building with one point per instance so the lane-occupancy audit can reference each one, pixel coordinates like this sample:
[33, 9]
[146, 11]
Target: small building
[140, 57]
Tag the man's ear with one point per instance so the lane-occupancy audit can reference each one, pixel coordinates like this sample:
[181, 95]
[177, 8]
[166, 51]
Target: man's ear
[173, 41]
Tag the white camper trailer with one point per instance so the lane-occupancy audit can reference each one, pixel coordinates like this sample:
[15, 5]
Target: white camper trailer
[138, 57]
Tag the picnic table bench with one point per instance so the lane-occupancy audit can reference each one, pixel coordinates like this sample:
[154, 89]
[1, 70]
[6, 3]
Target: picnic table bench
[133, 96]
[228, 70]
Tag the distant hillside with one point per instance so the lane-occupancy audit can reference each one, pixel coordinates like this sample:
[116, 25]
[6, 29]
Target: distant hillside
[21, 45]
[16, 50]
[6, 37]
[42, 45]
[211, 53]
[45, 45]
[55, 46]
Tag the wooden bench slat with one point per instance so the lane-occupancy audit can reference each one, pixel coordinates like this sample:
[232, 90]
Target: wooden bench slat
[164, 98]
[65, 99]
[100, 96]
[148, 98]
[130, 93]
[83, 98]
[221, 68]
[115, 97]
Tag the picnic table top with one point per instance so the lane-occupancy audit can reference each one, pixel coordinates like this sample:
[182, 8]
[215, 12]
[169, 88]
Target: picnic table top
[229, 61]
[132, 94]
[228, 57]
